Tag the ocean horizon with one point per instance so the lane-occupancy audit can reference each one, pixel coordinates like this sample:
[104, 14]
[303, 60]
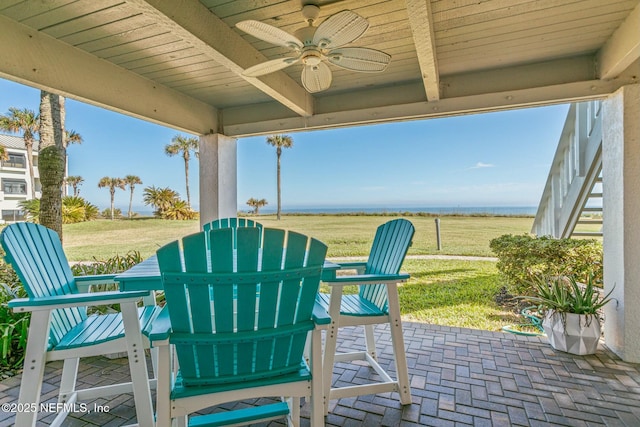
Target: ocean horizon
[439, 210]
[435, 210]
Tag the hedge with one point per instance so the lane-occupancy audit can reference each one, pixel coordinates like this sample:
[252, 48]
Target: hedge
[522, 258]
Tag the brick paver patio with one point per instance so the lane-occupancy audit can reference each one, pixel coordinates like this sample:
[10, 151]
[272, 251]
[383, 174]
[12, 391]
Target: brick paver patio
[458, 377]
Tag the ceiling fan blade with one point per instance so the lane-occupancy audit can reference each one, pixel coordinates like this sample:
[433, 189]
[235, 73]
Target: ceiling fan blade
[270, 34]
[340, 29]
[359, 59]
[269, 67]
[316, 78]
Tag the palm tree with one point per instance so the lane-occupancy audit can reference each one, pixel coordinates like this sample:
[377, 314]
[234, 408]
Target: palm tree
[131, 181]
[112, 183]
[183, 145]
[4, 154]
[51, 160]
[160, 198]
[70, 137]
[23, 121]
[74, 181]
[256, 204]
[280, 142]
[179, 210]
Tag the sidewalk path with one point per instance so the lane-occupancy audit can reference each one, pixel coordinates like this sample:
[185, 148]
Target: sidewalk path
[459, 257]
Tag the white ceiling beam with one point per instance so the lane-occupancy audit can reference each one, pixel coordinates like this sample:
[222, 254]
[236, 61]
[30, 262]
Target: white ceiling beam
[399, 103]
[622, 48]
[421, 22]
[36, 59]
[194, 23]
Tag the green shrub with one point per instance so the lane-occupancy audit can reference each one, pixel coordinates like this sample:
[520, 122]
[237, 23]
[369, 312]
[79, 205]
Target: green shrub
[115, 264]
[106, 213]
[13, 326]
[74, 209]
[523, 258]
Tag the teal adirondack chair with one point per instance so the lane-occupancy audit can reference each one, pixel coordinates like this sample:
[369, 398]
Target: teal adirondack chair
[234, 224]
[376, 303]
[60, 328]
[238, 318]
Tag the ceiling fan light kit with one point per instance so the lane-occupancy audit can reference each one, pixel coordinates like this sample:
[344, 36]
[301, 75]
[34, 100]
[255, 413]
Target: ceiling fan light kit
[314, 46]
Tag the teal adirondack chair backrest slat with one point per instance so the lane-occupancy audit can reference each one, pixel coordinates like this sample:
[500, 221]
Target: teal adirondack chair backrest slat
[234, 224]
[390, 245]
[240, 313]
[36, 254]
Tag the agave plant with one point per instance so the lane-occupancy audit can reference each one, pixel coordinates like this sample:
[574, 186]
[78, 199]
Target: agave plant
[565, 295]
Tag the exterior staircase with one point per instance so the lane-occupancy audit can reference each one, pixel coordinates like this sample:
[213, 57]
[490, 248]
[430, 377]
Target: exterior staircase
[571, 204]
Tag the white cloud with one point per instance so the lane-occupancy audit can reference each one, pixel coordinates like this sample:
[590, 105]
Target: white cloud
[482, 165]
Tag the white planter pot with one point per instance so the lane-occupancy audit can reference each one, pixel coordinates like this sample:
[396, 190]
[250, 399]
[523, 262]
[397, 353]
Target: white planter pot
[574, 333]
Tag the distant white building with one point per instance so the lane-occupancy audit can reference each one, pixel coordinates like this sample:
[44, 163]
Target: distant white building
[15, 183]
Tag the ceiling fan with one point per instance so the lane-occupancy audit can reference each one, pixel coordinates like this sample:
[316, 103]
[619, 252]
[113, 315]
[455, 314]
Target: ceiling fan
[314, 46]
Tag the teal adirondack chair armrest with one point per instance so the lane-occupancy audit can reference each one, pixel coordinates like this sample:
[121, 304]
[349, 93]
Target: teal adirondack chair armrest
[359, 266]
[84, 283]
[320, 315]
[74, 300]
[368, 279]
[160, 328]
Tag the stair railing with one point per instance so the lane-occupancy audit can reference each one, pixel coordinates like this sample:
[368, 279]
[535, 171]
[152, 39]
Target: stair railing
[574, 172]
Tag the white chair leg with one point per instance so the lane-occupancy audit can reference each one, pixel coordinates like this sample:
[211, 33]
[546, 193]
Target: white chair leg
[33, 373]
[330, 343]
[68, 380]
[182, 421]
[163, 390]
[397, 339]
[369, 340]
[317, 389]
[294, 410]
[137, 365]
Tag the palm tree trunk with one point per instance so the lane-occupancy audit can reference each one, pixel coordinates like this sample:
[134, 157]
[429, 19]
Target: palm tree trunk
[186, 177]
[130, 202]
[279, 190]
[51, 160]
[28, 143]
[113, 196]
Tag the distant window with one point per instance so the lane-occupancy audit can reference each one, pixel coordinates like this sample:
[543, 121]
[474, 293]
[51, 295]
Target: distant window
[16, 160]
[12, 215]
[14, 186]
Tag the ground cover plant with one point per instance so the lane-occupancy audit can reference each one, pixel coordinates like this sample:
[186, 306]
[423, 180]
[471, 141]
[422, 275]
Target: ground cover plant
[13, 326]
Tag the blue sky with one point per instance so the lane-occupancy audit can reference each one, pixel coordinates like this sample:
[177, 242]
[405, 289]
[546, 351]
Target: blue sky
[496, 159]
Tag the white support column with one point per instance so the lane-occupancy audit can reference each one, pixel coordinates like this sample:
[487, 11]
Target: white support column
[621, 224]
[218, 177]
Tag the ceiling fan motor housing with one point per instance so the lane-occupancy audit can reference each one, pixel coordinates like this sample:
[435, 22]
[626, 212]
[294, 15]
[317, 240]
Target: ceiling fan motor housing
[310, 12]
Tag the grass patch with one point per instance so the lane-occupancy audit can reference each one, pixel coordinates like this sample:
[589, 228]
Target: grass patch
[454, 293]
[104, 239]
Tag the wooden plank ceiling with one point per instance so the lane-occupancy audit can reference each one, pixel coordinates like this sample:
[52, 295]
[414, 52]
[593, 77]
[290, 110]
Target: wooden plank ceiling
[180, 62]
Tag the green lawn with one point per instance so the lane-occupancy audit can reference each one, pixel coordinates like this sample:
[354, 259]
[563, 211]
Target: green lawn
[445, 292]
[345, 235]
